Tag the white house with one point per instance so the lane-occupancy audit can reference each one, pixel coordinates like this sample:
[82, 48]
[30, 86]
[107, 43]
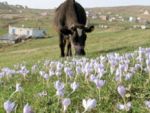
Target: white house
[29, 32]
[143, 27]
[87, 13]
[44, 14]
[146, 12]
[132, 19]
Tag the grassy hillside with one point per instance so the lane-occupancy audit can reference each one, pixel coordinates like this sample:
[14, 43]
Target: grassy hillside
[35, 71]
[32, 17]
[35, 60]
[98, 42]
[118, 37]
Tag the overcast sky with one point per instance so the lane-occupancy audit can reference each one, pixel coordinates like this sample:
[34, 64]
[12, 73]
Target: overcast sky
[46, 4]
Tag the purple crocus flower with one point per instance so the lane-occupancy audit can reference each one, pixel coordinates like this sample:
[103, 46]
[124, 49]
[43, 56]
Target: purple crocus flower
[128, 76]
[8, 72]
[87, 69]
[78, 70]
[138, 66]
[51, 72]
[59, 66]
[23, 71]
[44, 75]
[60, 93]
[68, 71]
[99, 83]
[93, 78]
[66, 102]
[9, 106]
[121, 90]
[59, 85]
[60, 88]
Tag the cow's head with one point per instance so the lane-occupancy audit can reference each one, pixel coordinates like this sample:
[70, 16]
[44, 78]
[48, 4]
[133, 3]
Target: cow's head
[78, 36]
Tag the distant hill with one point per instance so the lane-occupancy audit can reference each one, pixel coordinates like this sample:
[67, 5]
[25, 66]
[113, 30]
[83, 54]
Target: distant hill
[122, 10]
[137, 11]
[7, 8]
[20, 15]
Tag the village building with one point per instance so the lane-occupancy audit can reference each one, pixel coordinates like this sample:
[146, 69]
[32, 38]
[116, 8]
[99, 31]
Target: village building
[20, 11]
[138, 19]
[94, 17]
[132, 19]
[18, 34]
[104, 17]
[146, 12]
[143, 27]
[99, 13]
[31, 32]
[10, 11]
[109, 13]
[142, 21]
[111, 19]
[44, 14]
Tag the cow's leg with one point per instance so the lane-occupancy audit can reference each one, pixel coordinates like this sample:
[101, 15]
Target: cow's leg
[62, 44]
[69, 52]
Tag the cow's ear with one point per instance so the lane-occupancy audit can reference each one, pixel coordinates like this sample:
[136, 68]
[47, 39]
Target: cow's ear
[66, 31]
[89, 29]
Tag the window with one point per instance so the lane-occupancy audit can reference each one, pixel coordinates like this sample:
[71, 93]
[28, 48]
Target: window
[13, 31]
[28, 32]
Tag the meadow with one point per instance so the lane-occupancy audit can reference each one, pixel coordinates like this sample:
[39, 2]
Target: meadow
[113, 77]
[30, 64]
[98, 42]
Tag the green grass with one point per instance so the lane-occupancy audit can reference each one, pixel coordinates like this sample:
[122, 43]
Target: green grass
[98, 42]
[2, 31]
[107, 98]
[118, 38]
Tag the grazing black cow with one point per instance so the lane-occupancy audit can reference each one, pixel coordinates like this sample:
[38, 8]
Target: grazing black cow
[70, 19]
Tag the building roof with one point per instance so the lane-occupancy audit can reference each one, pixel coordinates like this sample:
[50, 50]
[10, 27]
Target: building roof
[31, 28]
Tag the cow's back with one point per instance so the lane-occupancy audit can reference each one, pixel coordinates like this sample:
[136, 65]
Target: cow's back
[68, 14]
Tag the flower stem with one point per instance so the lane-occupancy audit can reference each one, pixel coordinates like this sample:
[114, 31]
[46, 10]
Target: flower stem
[66, 79]
[84, 111]
[125, 104]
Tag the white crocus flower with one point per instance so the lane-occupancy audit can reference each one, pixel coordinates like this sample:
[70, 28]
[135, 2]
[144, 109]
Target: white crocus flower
[147, 104]
[74, 86]
[18, 88]
[42, 94]
[51, 72]
[27, 109]
[60, 93]
[78, 70]
[88, 104]
[124, 107]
